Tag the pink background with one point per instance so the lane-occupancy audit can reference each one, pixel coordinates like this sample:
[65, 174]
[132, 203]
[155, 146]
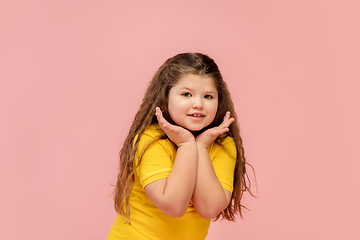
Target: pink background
[73, 74]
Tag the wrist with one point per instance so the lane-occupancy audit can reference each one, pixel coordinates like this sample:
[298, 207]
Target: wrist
[201, 145]
[190, 143]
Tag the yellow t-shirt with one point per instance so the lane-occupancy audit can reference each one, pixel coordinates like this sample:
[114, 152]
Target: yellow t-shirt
[147, 221]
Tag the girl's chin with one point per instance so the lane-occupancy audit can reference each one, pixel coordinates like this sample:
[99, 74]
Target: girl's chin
[190, 128]
[194, 129]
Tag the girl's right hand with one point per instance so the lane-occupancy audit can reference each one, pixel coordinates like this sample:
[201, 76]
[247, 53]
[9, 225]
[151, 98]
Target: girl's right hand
[177, 134]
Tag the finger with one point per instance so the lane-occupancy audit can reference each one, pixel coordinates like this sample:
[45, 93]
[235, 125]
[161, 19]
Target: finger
[224, 130]
[158, 112]
[160, 116]
[167, 127]
[164, 124]
[230, 121]
[161, 120]
[225, 122]
[215, 132]
[227, 115]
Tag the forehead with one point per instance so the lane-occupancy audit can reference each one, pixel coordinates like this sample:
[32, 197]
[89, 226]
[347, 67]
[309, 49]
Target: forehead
[202, 82]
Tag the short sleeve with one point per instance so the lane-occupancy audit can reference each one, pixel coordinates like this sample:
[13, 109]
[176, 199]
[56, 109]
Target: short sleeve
[223, 158]
[157, 160]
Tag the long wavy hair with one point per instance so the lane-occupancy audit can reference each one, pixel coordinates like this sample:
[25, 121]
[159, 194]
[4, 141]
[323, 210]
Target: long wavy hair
[157, 96]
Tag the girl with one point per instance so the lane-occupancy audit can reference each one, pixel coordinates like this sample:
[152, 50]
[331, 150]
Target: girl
[182, 162]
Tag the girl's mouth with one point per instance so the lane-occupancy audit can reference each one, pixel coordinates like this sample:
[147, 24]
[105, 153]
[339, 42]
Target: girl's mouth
[196, 115]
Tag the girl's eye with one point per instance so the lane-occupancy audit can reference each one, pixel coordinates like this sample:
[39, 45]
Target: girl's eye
[186, 94]
[208, 96]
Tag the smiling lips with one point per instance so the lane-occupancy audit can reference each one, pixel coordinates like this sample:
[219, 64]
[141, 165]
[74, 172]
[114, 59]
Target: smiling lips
[196, 115]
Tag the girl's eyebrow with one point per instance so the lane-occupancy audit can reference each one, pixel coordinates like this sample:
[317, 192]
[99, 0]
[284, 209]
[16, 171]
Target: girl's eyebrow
[188, 88]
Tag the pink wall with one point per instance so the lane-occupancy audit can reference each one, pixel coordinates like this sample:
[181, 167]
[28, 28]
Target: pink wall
[73, 74]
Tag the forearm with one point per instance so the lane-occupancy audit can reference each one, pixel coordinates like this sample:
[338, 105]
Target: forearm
[173, 194]
[209, 197]
[181, 181]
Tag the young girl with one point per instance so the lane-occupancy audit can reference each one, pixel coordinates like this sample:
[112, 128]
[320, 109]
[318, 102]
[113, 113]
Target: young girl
[182, 163]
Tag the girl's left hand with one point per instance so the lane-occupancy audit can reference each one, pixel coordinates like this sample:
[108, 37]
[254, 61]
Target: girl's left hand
[206, 138]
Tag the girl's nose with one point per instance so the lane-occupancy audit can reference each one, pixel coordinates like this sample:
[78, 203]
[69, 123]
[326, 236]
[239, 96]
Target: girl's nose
[198, 104]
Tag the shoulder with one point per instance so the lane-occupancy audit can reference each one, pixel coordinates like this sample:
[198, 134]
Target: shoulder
[226, 140]
[224, 144]
[156, 137]
[151, 132]
[154, 130]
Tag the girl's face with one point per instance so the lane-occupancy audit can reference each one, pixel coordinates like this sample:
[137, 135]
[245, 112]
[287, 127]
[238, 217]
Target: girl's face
[193, 102]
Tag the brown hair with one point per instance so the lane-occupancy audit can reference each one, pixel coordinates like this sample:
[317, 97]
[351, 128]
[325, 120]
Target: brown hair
[157, 96]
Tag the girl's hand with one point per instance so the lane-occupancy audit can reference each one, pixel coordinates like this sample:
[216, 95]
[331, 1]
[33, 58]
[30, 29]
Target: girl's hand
[206, 138]
[176, 134]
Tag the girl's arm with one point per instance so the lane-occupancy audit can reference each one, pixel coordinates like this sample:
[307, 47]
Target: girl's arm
[209, 197]
[173, 194]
